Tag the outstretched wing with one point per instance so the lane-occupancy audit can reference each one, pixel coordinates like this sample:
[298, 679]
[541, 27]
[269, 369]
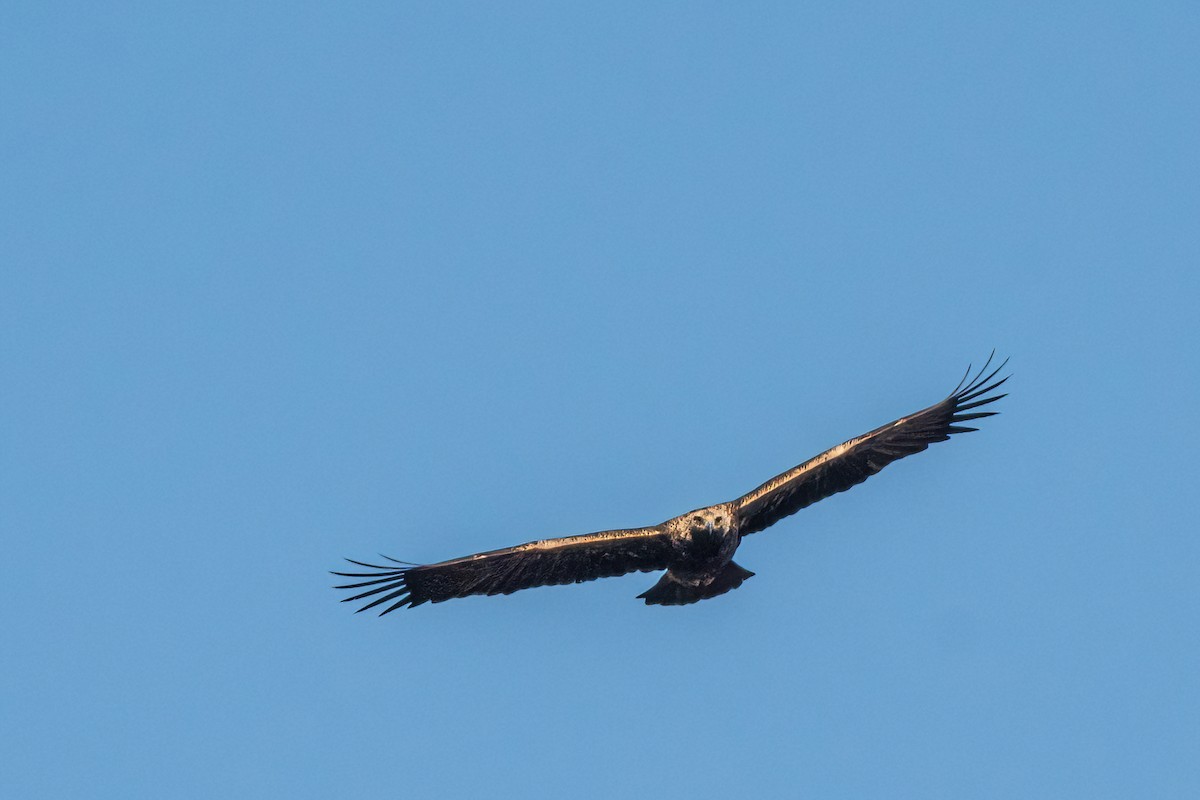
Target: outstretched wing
[573, 559]
[852, 462]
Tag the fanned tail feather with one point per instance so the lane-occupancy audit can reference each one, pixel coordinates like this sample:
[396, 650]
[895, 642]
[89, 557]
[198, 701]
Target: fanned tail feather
[670, 592]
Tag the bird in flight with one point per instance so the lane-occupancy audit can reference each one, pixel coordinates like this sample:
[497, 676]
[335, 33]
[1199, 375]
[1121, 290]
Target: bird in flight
[696, 549]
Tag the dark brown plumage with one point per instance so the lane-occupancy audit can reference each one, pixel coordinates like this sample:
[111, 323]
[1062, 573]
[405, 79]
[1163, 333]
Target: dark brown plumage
[695, 548]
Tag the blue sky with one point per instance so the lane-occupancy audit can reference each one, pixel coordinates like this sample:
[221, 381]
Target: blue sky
[288, 282]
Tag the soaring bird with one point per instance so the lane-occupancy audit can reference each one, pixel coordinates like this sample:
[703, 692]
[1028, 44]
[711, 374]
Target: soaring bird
[696, 549]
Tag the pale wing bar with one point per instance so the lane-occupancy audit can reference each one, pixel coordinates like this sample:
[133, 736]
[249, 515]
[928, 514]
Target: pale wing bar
[573, 559]
[852, 462]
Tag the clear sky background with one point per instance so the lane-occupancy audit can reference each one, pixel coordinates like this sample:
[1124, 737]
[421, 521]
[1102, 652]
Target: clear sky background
[288, 282]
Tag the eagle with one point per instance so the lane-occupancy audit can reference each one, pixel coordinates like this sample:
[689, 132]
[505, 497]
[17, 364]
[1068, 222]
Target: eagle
[696, 549]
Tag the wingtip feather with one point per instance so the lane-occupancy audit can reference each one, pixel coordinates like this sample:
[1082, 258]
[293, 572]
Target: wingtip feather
[394, 585]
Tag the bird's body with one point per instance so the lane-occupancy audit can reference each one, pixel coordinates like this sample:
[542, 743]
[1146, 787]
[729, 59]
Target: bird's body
[696, 549]
[702, 543]
[700, 565]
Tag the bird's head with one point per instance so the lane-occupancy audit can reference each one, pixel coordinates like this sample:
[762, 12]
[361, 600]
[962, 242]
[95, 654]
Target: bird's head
[709, 520]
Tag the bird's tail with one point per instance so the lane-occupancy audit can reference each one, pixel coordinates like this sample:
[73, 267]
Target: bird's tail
[670, 592]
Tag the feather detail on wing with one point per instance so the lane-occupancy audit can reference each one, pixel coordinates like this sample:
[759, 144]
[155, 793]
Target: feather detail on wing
[573, 559]
[852, 462]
